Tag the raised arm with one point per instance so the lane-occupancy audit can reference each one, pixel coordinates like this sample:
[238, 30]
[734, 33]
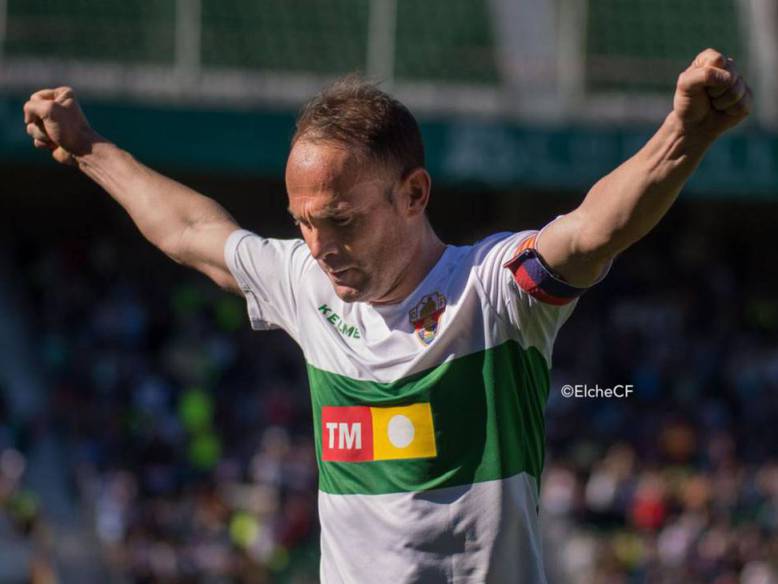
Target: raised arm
[710, 98]
[188, 227]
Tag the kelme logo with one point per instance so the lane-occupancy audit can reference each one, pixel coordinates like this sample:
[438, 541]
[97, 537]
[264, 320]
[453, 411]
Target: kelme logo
[336, 321]
[425, 316]
[364, 433]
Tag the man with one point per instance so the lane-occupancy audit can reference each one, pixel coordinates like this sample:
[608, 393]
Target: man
[428, 363]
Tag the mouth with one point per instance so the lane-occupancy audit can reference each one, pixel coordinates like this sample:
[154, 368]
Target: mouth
[340, 275]
[330, 270]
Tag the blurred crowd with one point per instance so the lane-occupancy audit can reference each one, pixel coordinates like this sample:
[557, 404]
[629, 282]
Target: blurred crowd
[188, 437]
[677, 482]
[24, 536]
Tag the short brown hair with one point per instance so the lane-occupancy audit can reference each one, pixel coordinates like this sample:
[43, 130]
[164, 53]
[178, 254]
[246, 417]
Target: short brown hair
[354, 112]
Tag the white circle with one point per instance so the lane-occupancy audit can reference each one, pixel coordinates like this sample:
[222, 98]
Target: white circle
[401, 431]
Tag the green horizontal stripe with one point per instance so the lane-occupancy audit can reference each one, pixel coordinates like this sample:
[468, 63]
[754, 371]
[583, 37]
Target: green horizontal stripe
[487, 409]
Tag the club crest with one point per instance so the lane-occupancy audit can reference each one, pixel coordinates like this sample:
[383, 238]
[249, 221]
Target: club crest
[425, 316]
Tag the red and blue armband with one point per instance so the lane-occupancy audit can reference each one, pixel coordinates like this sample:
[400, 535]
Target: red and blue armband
[538, 280]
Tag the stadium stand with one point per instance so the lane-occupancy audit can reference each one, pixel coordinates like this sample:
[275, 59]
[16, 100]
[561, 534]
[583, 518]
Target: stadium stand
[456, 47]
[587, 61]
[117, 30]
[436, 40]
[313, 36]
[635, 46]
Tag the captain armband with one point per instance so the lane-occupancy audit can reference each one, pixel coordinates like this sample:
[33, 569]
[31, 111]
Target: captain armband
[538, 280]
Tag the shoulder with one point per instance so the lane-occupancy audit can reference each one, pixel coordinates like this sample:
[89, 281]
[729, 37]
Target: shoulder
[253, 258]
[251, 241]
[247, 245]
[499, 247]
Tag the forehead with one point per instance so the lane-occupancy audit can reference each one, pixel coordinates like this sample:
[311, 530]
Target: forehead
[322, 175]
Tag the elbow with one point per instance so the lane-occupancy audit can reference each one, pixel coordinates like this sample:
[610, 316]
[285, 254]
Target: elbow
[172, 245]
[223, 279]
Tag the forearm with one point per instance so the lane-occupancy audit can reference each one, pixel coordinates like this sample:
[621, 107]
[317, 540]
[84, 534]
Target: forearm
[162, 208]
[627, 203]
[710, 98]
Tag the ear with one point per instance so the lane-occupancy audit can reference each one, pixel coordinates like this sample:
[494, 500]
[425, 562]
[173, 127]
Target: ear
[416, 191]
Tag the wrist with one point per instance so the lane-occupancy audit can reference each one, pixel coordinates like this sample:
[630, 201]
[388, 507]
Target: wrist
[692, 139]
[94, 151]
[696, 134]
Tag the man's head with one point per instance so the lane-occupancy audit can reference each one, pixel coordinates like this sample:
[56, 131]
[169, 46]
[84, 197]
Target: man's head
[358, 189]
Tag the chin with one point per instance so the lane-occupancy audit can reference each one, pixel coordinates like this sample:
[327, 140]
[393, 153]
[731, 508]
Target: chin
[349, 294]
[354, 289]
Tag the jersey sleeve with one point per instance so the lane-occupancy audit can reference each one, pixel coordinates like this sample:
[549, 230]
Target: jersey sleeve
[269, 273]
[525, 292]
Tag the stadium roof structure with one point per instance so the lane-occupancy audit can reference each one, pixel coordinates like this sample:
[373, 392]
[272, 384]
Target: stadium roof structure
[509, 92]
[598, 61]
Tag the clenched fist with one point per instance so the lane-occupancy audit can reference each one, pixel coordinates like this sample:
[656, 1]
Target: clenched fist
[711, 96]
[55, 122]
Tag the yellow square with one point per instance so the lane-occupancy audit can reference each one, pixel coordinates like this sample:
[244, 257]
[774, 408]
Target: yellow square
[403, 432]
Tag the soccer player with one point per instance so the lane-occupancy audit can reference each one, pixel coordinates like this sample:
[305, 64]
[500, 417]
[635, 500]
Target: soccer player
[428, 363]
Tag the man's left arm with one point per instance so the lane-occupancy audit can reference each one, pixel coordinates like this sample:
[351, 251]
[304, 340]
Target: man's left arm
[710, 98]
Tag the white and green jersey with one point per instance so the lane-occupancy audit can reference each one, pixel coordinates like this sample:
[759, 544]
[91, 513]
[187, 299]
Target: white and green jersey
[428, 414]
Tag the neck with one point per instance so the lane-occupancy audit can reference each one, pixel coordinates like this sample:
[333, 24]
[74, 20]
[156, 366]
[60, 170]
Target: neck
[425, 255]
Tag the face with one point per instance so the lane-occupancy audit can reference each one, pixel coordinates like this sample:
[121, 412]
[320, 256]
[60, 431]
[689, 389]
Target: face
[360, 238]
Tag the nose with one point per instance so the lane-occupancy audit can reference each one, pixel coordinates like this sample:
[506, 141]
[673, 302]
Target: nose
[320, 243]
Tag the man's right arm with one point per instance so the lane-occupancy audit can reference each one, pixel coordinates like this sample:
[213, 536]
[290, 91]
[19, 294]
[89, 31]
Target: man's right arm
[188, 227]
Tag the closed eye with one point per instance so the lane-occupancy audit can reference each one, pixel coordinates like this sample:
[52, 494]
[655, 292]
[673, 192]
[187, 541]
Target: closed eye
[342, 221]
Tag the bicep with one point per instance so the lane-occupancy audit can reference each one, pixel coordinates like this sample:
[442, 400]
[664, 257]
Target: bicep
[201, 246]
[565, 251]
